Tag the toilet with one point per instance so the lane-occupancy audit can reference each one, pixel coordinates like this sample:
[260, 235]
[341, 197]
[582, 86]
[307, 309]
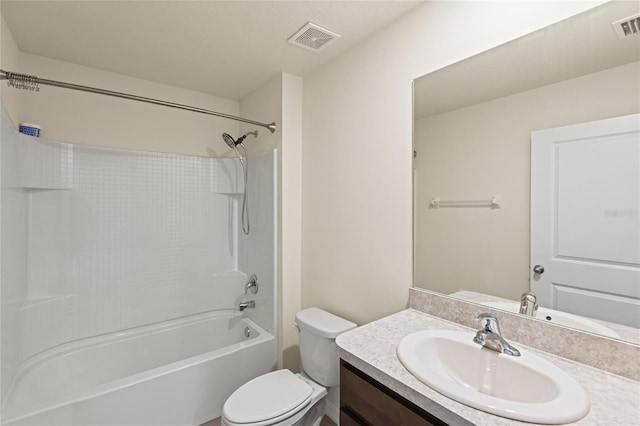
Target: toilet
[282, 398]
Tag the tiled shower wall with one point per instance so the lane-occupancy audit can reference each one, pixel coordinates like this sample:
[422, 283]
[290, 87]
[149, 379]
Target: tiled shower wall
[99, 240]
[13, 251]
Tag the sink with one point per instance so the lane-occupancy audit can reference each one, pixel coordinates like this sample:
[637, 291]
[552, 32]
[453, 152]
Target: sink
[558, 317]
[526, 388]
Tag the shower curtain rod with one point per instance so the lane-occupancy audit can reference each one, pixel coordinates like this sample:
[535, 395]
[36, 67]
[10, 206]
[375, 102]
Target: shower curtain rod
[31, 82]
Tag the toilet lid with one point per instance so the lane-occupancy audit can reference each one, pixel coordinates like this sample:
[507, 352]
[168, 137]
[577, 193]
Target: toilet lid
[270, 395]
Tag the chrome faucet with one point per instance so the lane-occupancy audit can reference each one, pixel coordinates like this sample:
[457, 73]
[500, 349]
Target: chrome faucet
[245, 305]
[528, 303]
[490, 337]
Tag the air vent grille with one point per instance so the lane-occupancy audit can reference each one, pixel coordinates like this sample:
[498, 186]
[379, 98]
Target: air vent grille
[627, 27]
[313, 37]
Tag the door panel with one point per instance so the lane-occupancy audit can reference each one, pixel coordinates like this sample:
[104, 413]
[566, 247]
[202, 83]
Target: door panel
[585, 218]
[596, 201]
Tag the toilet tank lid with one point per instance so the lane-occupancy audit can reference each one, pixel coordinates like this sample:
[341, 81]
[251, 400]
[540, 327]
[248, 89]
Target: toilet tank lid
[323, 323]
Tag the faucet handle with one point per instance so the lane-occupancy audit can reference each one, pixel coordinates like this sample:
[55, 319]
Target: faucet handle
[489, 336]
[489, 322]
[251, 285]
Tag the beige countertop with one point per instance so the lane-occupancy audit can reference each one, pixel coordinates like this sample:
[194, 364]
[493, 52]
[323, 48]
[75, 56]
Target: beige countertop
[615, 400]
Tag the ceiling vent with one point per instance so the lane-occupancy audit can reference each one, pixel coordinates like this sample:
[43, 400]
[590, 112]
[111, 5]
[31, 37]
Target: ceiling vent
[627, 27]
[313, 37]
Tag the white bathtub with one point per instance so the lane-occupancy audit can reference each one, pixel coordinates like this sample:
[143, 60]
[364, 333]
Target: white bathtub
[178, 372]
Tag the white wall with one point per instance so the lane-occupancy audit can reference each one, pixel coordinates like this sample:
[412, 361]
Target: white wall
[290, 190]
[8, 60]
[263, 105]
[484, 150]
[86, 118]
[280, 100]
[357, 153]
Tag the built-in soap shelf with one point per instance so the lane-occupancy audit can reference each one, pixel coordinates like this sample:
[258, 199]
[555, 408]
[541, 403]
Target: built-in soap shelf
[45, 164]
[226, 176]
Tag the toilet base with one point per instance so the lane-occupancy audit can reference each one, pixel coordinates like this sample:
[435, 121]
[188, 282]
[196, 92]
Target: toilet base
[314, 416]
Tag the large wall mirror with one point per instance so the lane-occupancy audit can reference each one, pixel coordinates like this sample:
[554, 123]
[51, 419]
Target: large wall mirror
[532, 149]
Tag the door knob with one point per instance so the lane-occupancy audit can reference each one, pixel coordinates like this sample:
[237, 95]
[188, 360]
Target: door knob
[538, 269]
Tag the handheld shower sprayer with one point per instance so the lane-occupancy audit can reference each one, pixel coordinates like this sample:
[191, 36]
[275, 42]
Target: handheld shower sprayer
[229, 140]
[234, 144]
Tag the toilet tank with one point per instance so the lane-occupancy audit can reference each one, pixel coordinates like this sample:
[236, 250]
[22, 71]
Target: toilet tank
[318, 352]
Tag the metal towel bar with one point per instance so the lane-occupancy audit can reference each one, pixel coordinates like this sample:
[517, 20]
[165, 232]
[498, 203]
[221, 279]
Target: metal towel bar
[436, 203]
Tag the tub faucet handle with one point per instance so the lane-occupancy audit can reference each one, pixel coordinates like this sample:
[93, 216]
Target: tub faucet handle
[252, 285]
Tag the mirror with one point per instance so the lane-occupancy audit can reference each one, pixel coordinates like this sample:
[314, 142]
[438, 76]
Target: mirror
[472, 139]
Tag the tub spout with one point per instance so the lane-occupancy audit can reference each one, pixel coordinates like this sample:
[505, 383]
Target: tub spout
[245, 305]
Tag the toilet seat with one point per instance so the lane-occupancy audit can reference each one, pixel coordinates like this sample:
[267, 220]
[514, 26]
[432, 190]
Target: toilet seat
[267, 399]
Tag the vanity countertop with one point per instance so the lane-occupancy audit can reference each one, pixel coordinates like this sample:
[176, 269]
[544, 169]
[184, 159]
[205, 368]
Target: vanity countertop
[615, 400]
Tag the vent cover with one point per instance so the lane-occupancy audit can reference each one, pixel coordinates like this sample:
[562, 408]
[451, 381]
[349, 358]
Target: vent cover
[313, 37]
[627, 27]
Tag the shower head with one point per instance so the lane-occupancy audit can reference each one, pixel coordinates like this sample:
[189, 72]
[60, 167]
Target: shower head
[233, 143]
[229, 140]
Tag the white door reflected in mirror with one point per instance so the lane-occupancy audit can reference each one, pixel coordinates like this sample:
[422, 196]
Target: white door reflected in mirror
[585, 218]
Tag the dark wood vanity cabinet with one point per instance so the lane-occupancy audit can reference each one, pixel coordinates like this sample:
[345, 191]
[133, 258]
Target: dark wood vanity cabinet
[364, 401]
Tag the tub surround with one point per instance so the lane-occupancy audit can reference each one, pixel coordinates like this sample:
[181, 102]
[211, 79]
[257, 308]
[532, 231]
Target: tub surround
[372, 349]
[604, 353]
[98, 243]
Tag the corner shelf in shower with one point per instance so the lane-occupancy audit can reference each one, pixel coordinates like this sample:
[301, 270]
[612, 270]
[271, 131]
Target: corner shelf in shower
[45, 164]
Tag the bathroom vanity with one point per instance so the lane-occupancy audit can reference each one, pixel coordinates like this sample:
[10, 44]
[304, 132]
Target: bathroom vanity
[365, 400]
[377, 389]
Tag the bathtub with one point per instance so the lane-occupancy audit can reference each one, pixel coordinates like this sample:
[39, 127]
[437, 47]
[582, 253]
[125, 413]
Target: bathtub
[178, 372]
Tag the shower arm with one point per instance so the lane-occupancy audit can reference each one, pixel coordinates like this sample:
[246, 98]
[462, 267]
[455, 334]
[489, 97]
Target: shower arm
[31, 82]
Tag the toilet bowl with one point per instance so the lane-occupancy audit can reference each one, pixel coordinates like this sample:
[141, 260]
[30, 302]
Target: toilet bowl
[282, 398]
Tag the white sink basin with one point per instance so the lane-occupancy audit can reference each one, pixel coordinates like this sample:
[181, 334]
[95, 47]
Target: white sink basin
[526, 388]
[558, 317]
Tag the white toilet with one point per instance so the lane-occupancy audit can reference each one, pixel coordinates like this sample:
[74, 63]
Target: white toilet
[282, 398]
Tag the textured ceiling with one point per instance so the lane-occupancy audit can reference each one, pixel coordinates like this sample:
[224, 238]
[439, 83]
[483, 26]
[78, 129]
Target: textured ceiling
[223, 48]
